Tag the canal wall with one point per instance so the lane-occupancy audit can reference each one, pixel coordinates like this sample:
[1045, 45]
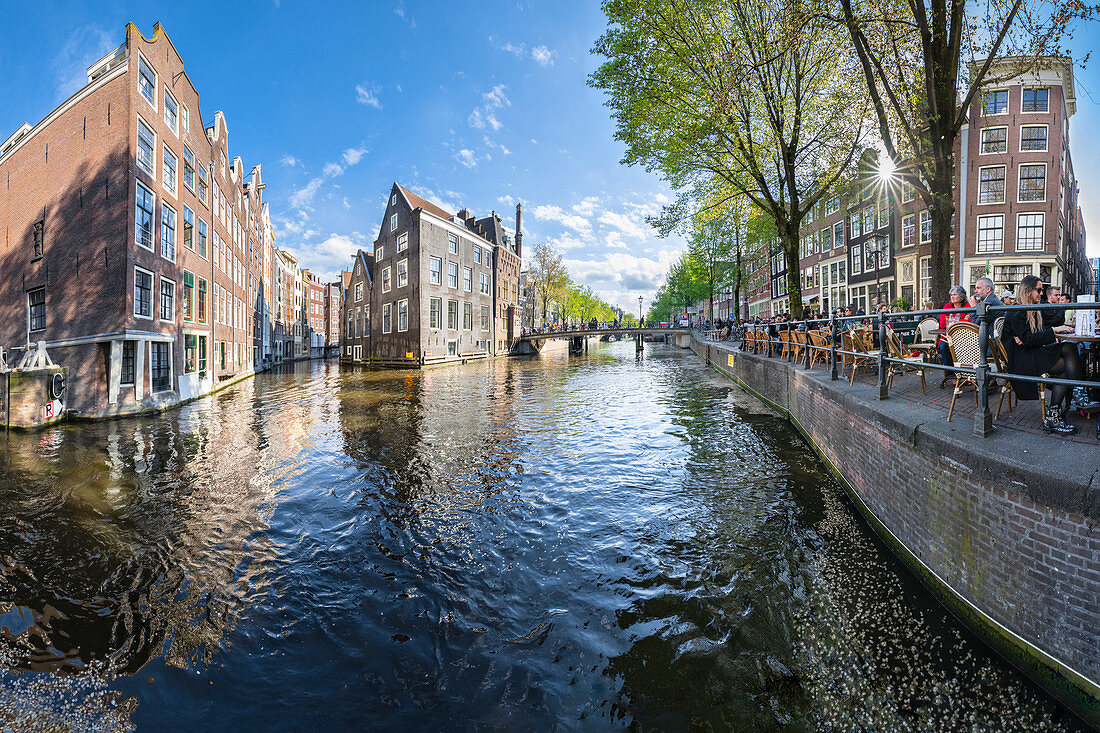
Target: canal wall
[1004, 530]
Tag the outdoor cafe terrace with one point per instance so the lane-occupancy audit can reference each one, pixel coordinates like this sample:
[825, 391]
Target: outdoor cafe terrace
[911, 350]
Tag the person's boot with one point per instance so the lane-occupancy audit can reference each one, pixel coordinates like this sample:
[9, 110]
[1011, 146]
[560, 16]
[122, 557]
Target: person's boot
[1053, 423]
[1081, 400]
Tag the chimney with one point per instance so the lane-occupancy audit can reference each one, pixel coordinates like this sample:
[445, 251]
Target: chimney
[519, 231]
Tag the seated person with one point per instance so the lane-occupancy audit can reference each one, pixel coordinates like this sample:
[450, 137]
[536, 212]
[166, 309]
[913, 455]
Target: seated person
[957, 296]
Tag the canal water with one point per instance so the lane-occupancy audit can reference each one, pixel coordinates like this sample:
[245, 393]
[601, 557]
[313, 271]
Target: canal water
[551, 543]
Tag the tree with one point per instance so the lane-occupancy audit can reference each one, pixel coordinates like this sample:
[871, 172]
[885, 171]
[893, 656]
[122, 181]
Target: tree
[751, 93]
[920, 58]
[548, 277]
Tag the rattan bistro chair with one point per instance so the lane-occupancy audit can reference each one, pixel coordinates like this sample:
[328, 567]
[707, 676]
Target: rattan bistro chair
[784, 343]
[925, 328]
[962, 339]
[860, 342]
[910, 365]
[799, 345]
[819, 350]
[1000, 367]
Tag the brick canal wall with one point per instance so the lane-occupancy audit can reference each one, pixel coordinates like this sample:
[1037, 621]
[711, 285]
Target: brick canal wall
[1005, 530]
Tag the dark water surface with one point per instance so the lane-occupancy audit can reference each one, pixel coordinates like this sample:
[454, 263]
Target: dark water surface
[580, 543]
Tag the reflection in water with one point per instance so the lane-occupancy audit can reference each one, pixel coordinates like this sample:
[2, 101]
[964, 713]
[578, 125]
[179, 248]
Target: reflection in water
[558, 542]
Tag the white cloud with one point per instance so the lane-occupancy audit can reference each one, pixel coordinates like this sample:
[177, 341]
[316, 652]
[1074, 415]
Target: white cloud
[353, 155]
[543, 56]
[331, 255]
[623, 223]
[366, 96]
[614, 240]
[505, 150]
[466, 158]
[586, 207]
[304, 196]
[289, 160]
[514, 50]
[346, 204]
[571, 221]
[485, 115]
[621, 277]
[84, 47]
[449, 200]
[331, 170]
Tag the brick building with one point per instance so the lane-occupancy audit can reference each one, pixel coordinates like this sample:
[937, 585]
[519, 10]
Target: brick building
[333, 300]
[358, 296]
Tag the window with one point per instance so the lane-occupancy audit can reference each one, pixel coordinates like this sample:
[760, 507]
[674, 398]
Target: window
[477, 254]
[1033, 137]
[452, 244]
[160, 366]
[452, 274]
[171, 112]
[393, 200]
[201, 305]
[1035, 100]
[868, 219]
[402, 241]
[452, 314]
[1029, 232]
[129, 353]
[190, 353]
[167, 299]
[188, 228]
[908, 230]
[485, 283]
[146, 147]
[393, 222]
[147, 81]
[995, 140]
[857, 259]
[403, 315]
[387, 317]
[402, 273]
[838, 235]
[1033, 182]
[991, 231]
[170, 163]
[435, 271]
[385, 279]
[468, 316]
[995, 102]
[167, 232]
[143, 293]
[378, 253]
[359, 291]
[36, 309]
[991, 185]
[467, 279]
[853, 226]
[435, 313]
[908, 193]
[188, 296]
[185, 117]
[883, 213]
[202, 229]
[188, 168]
[484, 318]
[925, 226]
[203, 187]
[38, 235]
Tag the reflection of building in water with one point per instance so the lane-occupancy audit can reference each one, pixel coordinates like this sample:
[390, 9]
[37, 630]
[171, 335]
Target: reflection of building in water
[125, 540]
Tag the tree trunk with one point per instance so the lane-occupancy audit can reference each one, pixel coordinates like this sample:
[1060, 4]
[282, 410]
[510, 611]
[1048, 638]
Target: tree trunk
[788, 236]
[737, 288]
[942, 210]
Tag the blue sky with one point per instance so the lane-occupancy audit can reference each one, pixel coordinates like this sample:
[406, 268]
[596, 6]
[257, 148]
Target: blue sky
[475, 104]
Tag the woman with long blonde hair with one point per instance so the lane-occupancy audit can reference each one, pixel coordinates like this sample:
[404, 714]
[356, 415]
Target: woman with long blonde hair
[1033, 349]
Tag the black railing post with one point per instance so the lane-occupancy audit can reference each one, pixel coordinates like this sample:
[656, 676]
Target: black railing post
[834, 374]
[809, 343]
[882, 391]
[983, 418]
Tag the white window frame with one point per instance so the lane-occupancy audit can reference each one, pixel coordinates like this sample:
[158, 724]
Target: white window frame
[981, 248]
[44, 313]
[379, 253]
[468, 279]
[433, 273]
[1020, 180]
[393, 200]
[449, 272]
[981, 140]
[152, 291]
[156, 80]
[912, 224]
[1042, 231]
[386, 284]
[171, 367]
[160, 296]
[1004, 197]
[152, 169]
[358, 291]
[1034, 111]
[166, 155]
[403, 304]
[435, 316]
[169, 96]
[925, 215]
[402, 273]
[393, 223]
[856, 265]
[981, 102]
[152, 247]
[477, 255]
[387, 317]
[452, 243]
[402, 241]
[185, 117]
[164, 208]
[1045, 148]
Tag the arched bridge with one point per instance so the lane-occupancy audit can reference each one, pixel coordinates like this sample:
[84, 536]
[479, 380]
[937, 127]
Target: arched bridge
[533, 342]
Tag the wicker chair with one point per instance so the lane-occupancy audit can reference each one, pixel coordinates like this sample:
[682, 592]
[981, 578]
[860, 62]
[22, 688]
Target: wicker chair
[819, 350]
[799, 344]
[1000, 366]
[911, 365]
[998, 326]
[924, 329]
[962, 339]
[784, 343]
[859, 342]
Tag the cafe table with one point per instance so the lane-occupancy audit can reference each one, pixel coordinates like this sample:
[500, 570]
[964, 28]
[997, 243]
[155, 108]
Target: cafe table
[1092, 363]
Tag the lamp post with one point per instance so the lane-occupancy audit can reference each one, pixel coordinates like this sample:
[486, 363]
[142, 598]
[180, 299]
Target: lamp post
[882, 242]
[639, 311]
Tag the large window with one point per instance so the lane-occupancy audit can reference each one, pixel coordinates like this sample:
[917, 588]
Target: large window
[160, 366]
[477, 254]
[925, 226]
[1029, 232]
[203, 185]
[188, 228]
[467, 279]
[452, 244]
[452, 315]
[387, 317]
[402, 273]
[468, 316]
[403, 315]
[385, 279]
[854, 226]
[485, 283]
[143, 293]
[857, 259]
[1033, 138]
[168, 232]
[201, 239]
[358, 291]
[146, 147]
[147, 81]
[991, 232]
[393, 223]
[1033, 182]
[188, 296]
[435, 271]
[167, 299]
[991, 185]
[995, 102]
[452, 274]
[188, 168]
[484, 318]
[143, 216]
[1035, 100]
[170, 167]
[838, 234]
[435, 313]
[36, 309]
[909, 230]
[402, 241]
[995, 140]
[129, 356]
[171, 112]
[201, 305]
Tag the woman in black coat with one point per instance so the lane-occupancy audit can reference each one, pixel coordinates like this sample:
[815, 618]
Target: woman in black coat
[1032, 349]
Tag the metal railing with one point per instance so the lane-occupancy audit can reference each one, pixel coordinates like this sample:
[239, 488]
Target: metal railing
[983, 314]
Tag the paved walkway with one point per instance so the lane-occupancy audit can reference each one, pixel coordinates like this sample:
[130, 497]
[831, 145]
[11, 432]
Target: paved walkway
[1025, 416]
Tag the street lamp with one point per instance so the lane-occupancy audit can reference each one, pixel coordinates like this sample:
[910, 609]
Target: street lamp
[639, 311]
[881, 244]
